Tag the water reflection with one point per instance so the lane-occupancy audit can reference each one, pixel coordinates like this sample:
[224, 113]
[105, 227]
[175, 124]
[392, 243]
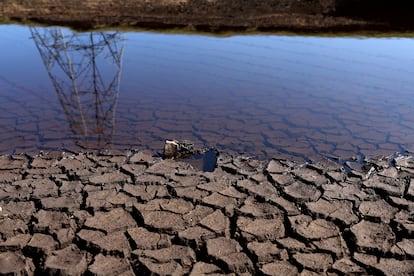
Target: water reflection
[266, 96]
[85, 70]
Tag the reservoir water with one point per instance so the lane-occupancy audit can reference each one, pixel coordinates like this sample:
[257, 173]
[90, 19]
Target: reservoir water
[296, 97]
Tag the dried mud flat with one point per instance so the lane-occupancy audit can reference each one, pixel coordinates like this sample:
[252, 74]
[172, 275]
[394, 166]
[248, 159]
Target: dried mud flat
[128, 213]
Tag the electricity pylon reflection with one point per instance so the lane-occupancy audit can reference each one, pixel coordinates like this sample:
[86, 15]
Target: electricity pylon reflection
[85, 70]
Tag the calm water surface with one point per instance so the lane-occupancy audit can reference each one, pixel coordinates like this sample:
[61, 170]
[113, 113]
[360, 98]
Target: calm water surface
[265, 96]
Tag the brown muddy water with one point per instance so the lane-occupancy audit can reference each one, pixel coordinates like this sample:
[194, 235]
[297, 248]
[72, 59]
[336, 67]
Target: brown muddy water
[265, 96]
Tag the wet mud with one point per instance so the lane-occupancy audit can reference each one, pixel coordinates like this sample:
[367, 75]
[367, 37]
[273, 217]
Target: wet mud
[128, 213]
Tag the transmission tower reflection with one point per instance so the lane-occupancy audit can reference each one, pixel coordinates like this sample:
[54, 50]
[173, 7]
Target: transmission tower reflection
[85, 70]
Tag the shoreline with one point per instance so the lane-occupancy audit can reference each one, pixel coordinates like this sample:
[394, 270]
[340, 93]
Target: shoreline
[75, 213]
[217, 16]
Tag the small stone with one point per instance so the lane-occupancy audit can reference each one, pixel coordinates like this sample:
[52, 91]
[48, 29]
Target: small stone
[279, 268]
[373, 236]
[67, 261]
[171, 149]
[178, 149]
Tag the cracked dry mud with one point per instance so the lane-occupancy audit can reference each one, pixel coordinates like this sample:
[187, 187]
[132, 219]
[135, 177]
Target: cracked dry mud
[133, 214]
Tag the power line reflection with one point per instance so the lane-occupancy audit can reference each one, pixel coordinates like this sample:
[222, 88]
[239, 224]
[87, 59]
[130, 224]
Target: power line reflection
[85, 70]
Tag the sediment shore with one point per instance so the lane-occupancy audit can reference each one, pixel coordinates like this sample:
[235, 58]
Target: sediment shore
[129, 213]
[218, 15]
